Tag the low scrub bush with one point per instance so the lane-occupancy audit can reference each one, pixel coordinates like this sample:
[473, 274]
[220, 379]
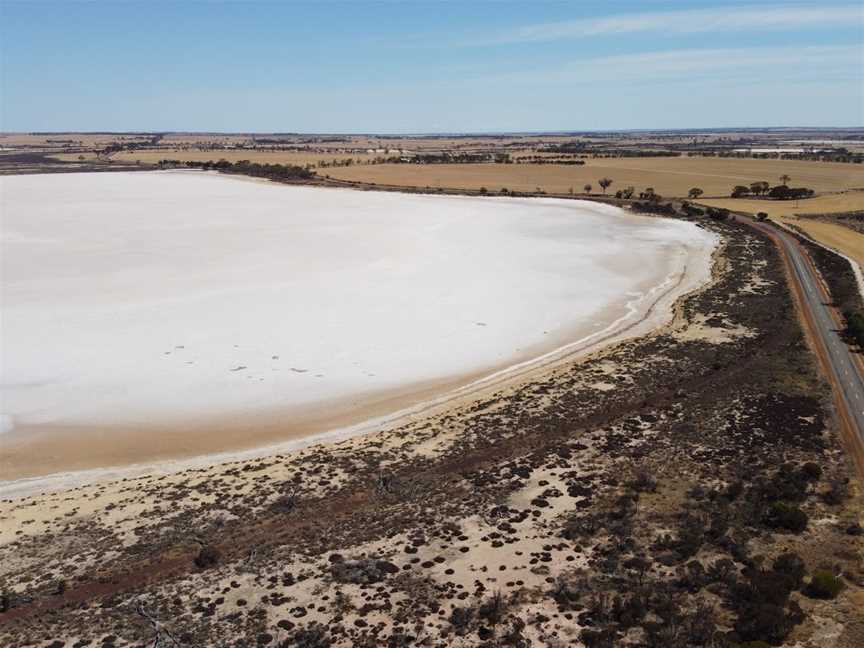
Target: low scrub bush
[786, 517]
[207, 557]
[824, 585]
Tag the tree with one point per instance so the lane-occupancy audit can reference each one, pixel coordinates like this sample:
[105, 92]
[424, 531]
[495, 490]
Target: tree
[784, 179]
[740, 190]
[759, 188]
[604, 183]
[587, 188]
[695, 192]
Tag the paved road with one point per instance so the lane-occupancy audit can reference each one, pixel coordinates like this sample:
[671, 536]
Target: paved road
[846, 378]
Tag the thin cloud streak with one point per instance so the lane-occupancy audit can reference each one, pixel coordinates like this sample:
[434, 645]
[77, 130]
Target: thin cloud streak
[689, 61]
[766, 18]
[697, 64]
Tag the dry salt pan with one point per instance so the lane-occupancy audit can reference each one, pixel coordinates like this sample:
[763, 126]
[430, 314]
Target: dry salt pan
[173, 297]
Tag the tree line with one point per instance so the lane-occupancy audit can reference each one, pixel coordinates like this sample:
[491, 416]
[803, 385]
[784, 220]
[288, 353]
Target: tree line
[778, 192]
[245, 167]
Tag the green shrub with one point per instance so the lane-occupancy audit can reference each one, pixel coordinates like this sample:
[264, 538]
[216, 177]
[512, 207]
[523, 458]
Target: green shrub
[764, 622]
[788, 517]
[824, 585]
[790, 567]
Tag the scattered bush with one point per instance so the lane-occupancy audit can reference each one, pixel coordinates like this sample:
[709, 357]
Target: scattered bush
[492, 611]
[312, 636]
[643, 482]
[790, 566]
[604, 638]
[461, 619]
[824, 585]
[787, 517]
[717, 213]
[721, 570]
[765, 612]
[765, 622]
[207, 557]
[838, 492]
[855, 328]
[566, 594]
[362, 572]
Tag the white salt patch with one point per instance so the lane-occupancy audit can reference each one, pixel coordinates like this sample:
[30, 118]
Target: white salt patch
[138, 298]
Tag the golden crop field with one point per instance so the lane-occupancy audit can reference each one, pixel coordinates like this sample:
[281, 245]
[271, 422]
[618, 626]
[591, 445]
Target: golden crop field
[829, 203]
[58, 140]
[841, 238]
[668, 176]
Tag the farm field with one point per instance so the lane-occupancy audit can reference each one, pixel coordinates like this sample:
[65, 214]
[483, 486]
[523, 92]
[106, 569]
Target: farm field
[846, 240]
[841, 238]
[668, 176]
[830, 203]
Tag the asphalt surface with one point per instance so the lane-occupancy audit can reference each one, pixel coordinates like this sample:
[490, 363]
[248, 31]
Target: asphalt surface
[840, 360]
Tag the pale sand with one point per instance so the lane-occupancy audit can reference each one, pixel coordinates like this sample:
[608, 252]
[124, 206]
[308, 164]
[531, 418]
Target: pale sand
[48, 450]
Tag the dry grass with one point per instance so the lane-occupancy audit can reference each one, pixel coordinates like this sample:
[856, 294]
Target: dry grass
[668, 176]
[846, 240]
[841, 238]
[57, 140]
[831, 203]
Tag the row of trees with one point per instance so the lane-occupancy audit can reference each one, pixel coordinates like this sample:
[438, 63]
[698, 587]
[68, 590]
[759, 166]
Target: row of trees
[780, 192]
[763, 189]
[834, 155]
[245, 167]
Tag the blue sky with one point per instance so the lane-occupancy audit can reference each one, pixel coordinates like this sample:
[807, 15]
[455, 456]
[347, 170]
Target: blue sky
[428, 66]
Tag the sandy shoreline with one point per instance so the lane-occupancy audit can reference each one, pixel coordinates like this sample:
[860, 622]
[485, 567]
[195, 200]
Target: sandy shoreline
[48, 459]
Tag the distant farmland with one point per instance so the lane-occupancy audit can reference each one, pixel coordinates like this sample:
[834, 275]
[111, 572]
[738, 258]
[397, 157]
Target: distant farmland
[261, 156]
[668, 176]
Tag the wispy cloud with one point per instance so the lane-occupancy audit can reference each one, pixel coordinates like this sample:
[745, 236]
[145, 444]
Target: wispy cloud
[695, 61]
[742, 64]
[763, 18]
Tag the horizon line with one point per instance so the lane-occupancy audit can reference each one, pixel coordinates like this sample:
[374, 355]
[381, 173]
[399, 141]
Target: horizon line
[708, 129]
